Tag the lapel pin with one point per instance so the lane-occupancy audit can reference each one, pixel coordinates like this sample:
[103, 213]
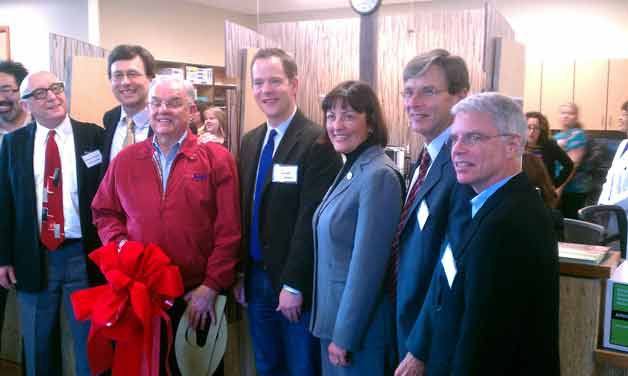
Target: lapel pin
[349, 175]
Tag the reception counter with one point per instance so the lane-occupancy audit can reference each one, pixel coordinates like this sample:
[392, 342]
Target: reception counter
[582, 296]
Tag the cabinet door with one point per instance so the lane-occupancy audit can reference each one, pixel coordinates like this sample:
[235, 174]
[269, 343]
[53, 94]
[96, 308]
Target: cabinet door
[556, 88]
[532, 86]
[590, 92]
[617, 90]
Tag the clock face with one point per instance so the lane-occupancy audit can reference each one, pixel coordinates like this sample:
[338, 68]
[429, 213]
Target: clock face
[365, 6]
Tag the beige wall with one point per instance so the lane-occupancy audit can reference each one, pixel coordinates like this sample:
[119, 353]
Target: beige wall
[171, 30]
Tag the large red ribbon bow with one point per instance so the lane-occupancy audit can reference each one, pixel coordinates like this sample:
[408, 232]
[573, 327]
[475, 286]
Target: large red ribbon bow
[128, 310]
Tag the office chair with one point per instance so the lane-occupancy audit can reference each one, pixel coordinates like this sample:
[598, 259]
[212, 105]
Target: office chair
[581, 232]
[602, 215]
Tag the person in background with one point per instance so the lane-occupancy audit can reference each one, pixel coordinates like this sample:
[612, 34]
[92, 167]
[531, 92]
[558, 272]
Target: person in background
[180, 195]
[573, 140]
[542, 145]
[12, 114]
[615, 188]
[195, 119]
[354, 225]
[49, 173]
[130, 70]
[214, 122]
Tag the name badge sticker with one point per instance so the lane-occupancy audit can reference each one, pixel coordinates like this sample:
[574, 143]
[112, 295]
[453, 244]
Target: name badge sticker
[449, 264]
[422, 214]
[285, 173]
[92, 159]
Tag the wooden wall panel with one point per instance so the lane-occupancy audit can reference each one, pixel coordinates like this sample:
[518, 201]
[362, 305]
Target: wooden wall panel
[336, 57]
[5, 43]
[237, 38]
[509, 68]
[250, 114]
[590, 92]
[557, 88]
[91, 95]
[617, 90]
[532, 86]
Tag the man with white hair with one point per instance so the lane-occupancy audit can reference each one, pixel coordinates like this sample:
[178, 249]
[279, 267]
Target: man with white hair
[49, 173]
[182, 196]
[492, 305]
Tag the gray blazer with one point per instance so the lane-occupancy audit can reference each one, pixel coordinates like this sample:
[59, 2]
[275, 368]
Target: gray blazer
[353, 230]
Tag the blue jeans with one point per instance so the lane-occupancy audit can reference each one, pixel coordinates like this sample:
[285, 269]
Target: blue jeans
[281, 348]
[39, 314]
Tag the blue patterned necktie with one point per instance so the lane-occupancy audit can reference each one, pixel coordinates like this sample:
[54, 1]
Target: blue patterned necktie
[265, 162]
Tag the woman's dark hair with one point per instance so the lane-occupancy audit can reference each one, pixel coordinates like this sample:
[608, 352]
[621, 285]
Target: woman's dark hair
[361, 98]
[543, 125]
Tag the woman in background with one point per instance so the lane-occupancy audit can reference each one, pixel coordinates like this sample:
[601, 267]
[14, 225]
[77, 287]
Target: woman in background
[573, 141]
[541, 145]
[214, 124]
[354, 226]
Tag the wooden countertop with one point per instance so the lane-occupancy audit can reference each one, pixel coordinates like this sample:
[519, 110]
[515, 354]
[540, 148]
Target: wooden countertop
[603, 270]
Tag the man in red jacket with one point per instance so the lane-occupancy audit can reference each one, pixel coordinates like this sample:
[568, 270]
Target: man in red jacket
[180, 195]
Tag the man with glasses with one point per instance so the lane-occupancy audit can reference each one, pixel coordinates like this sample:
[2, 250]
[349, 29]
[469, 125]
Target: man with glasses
[432, 83]
[49, 173]
[130, 69]
[12, 115]
[492, 306]
[182, 196]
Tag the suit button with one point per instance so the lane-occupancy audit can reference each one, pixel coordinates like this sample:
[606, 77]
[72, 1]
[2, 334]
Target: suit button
[438, 308]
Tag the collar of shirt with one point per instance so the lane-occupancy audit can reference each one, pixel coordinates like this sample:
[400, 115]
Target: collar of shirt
[64, 130]
[141, 119]
[281, 129]
[175, 148]
[478, 201]
[436, 145]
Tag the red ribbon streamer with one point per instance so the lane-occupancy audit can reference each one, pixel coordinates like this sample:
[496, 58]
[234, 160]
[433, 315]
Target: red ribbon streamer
[128, 311]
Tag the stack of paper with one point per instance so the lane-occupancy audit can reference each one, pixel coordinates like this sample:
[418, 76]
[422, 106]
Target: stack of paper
[582, 253]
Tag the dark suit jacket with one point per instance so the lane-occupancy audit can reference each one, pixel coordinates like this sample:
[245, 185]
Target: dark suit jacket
[110, 121]
[419, 248]
[500, 317]
[286, 209]
[19, 229]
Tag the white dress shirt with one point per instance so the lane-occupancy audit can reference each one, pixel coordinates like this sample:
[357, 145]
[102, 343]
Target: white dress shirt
[142, 125]
[65, 142]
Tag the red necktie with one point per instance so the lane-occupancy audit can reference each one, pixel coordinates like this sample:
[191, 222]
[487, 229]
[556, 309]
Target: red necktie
[52, 233]
[405, 212]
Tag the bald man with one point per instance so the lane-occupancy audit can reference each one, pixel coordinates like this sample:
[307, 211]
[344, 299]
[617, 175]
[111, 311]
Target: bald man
[49, 173]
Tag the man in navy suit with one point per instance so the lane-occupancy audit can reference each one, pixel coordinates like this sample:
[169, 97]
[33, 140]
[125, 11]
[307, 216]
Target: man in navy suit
[492, 305]
[433, 83]
[49, 173]
[285, 170]
[130, 70]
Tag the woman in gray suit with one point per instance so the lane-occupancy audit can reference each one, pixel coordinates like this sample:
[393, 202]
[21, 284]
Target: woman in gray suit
[353, 229]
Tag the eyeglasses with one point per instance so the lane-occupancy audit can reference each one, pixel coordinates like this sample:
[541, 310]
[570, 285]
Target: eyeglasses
[8, 90]
[533, 128]
[42, 93]
[474, 138]
[131, 75]
[171, 104]
[423, 92]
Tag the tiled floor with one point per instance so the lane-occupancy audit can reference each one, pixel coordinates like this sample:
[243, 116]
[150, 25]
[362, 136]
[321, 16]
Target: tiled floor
[9, 369]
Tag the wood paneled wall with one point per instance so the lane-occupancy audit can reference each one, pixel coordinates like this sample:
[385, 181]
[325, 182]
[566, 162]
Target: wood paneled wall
[237, 38]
